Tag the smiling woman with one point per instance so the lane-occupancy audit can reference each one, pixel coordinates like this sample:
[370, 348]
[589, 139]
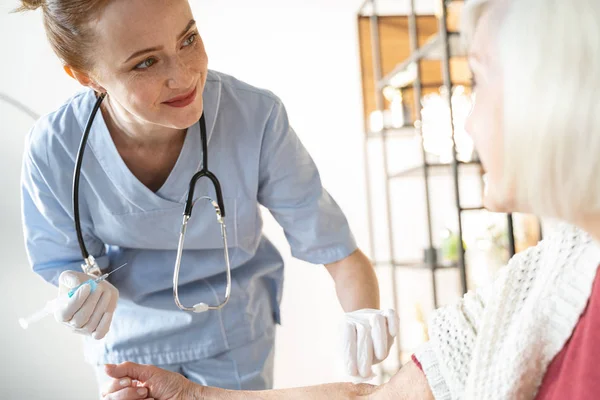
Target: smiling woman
[144, 67]
[151, 76]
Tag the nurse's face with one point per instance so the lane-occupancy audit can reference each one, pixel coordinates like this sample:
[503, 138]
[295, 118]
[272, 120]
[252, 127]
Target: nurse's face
[484, 123]
[151, 61]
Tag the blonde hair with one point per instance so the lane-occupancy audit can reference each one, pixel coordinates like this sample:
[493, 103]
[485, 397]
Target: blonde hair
[67, 25]
[549, 52]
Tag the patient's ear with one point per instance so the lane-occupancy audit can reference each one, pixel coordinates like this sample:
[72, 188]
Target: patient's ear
[83, 78]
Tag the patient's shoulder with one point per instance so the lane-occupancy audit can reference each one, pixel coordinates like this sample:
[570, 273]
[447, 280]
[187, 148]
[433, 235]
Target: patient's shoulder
[563, 246]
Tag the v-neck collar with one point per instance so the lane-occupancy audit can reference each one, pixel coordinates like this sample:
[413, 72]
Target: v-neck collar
[173, 192]
[187, 163]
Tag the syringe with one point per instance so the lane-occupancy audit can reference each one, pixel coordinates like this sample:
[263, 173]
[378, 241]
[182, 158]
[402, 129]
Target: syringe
[50, 306]
[36, 316]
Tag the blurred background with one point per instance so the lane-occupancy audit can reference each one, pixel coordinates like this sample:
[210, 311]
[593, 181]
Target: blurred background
[348, 77]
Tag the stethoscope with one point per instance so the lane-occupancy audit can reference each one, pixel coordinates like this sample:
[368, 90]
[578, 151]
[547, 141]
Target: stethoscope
[91, 267]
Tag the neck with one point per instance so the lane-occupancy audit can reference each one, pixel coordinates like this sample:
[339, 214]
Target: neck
[591, 224]
[129, 130]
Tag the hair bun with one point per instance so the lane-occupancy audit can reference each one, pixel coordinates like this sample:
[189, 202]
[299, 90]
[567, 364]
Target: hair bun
[32, 4]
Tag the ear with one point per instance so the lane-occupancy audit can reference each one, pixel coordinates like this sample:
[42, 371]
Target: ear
[83, 78]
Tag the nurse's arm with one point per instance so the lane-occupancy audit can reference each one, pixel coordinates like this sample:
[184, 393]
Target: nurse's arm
[355, 282]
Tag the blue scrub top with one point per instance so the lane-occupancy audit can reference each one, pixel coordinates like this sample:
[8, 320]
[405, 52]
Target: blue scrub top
[258, 159]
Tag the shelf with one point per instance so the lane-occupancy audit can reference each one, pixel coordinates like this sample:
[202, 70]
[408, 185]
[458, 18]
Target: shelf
[417, 265]
[405, 72]
[404, 131]
[436, 169]
[466, 209]
[393, 8]
[363, 7]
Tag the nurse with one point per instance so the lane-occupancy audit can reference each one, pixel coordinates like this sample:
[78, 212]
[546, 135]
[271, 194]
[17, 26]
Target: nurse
[148, 60]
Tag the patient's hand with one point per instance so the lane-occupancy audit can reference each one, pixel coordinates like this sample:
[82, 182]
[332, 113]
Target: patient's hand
[151, 382]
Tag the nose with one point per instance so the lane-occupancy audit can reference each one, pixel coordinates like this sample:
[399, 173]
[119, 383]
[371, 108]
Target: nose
[469, 125]
[180, 75]
[469, 121]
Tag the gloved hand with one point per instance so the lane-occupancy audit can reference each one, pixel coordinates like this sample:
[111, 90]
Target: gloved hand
[88, 313]
[367, 338]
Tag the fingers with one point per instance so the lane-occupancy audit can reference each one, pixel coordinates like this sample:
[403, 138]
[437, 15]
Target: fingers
[97, 315]
[128, 393]
[85, 312]
[114, 297]
[70, 279]
[392, 321]
[384, 330]
[364, 349]
[349, 340]
[368, 336]
[116, 384]
[67, 307]
[103, 326]
[131, 370]
[379, 335]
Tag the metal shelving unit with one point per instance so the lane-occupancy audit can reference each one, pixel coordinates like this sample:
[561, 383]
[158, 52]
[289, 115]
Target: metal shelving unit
[439, 47]
[433, 168]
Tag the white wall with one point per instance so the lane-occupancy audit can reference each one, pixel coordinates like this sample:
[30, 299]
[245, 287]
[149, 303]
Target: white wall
[42, 362]
[304, 51]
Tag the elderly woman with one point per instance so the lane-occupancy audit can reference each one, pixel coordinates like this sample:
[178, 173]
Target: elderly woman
[535, 123]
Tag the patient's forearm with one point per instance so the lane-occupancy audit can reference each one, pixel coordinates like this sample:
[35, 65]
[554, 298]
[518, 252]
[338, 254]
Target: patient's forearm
[332, 391]
[408, 384]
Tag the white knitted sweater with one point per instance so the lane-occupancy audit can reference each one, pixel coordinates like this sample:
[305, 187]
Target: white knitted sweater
[497, 342]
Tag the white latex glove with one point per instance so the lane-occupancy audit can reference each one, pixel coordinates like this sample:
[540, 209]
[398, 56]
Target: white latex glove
[367, 338]
[87, 313]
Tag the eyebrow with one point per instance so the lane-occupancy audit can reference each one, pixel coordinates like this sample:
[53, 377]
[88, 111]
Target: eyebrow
[474, 59]
[473, 56]
[157, 48]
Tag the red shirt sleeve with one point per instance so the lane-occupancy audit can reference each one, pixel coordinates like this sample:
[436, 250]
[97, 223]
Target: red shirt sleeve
[574, 372]
[416, 361]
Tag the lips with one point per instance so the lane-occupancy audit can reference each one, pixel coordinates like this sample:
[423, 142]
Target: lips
[183, 100]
